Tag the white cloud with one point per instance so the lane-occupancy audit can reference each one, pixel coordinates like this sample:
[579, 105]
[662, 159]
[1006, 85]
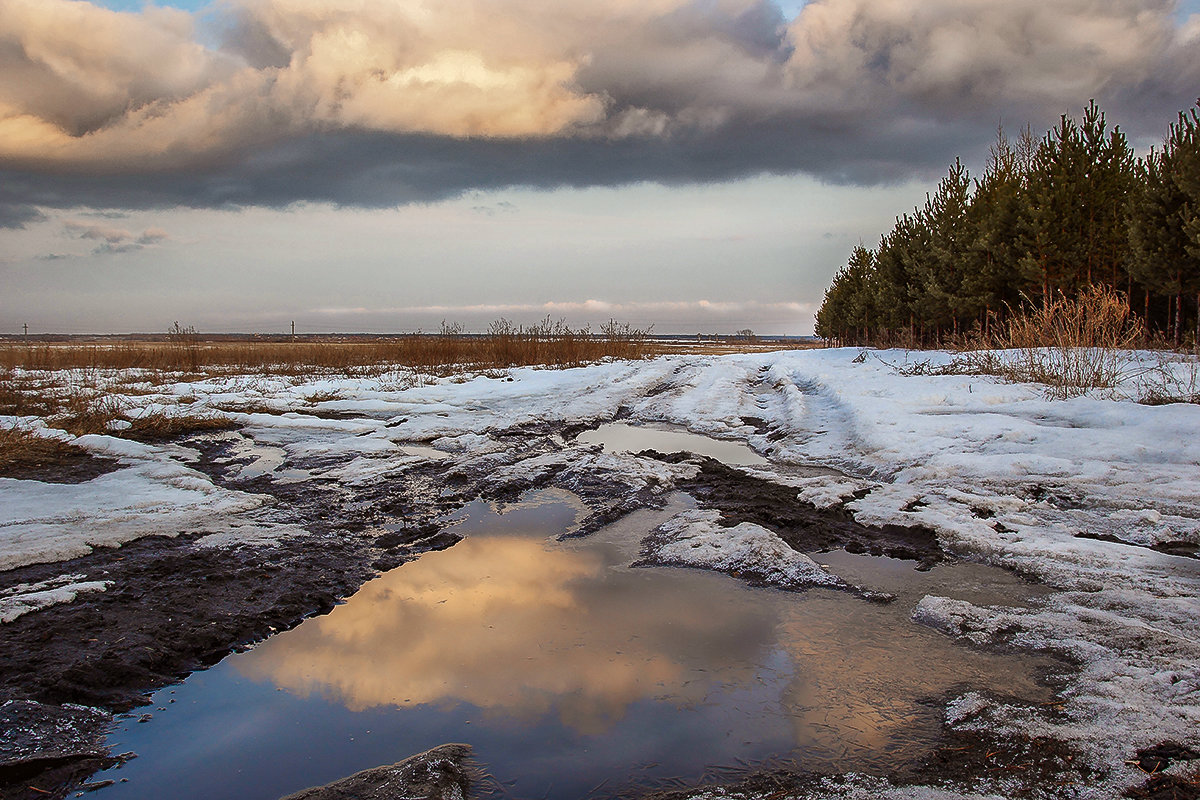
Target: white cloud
[92, 89]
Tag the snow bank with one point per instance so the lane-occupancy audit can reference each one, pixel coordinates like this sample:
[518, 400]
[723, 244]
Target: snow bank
[152, 494]
[697, 539]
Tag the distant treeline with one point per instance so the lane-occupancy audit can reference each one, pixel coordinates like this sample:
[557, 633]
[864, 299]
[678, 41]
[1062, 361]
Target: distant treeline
[1047, 219]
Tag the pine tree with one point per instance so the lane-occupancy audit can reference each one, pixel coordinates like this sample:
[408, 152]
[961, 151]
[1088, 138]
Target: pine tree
[1108, 181]
[991, 280]
[1185, 173]
[1164, 227]
[938, 298]
[848, 312]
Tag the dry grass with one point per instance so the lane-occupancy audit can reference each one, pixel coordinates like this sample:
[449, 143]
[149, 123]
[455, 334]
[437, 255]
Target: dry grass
[19, 396]
[1071, 346]
[22, 451]
[549, 343]
[162, 427]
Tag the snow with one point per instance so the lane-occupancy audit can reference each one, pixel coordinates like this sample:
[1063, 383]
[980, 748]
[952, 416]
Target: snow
[998, 471]
[152, 494]
[16, 601]
[696, 538]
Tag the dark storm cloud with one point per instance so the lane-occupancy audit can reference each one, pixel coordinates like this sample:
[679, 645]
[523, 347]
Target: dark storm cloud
[390, 103]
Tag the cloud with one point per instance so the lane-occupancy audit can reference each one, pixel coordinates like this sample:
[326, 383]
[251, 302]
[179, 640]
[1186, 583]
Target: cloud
[383, 103]
[114, 240]
[400, 641]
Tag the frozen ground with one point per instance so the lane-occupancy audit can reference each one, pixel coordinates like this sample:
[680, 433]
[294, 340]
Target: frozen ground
[1074, 493]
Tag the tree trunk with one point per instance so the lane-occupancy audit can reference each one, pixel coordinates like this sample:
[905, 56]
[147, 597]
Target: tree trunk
[1178, 314]
[1146, 318]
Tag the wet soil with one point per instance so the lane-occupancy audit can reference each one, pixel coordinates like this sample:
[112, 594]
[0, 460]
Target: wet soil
[444, 773]
[1153, 760]
[744, 498]
[174, 607]
[1011, 768]
[67, 465]
[1184, 549]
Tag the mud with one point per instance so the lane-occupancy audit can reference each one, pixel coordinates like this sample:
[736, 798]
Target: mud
[69, 466]
[1183, 549]
[1018, 769]
[174, 607]
[1158, 786]
[744, 498]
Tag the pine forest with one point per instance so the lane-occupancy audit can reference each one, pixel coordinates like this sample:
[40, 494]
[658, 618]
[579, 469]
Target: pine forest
[1048, 219]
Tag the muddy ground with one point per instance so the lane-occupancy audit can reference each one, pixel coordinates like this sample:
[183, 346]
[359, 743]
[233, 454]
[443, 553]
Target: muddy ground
[175, 607]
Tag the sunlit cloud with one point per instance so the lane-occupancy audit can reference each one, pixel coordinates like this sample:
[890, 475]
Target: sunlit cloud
[106, 92]
[112, 239]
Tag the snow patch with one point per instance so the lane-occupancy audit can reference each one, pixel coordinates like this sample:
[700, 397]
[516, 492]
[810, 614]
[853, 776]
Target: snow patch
[17, 601]
[697, 539]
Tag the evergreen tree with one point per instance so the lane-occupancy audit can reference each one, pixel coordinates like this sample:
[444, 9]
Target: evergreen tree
[1164, 224]
[1046, 217]
[991, 281]
[901, 252]
[1185, 173]
[1109, 180]
[848, 312]
[937, 291]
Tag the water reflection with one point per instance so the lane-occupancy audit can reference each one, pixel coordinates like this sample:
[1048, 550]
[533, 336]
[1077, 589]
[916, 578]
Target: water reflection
[522, 627]
[621, 437]
[567, 671]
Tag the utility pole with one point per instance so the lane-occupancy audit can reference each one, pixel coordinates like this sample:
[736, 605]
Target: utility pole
[26, 330]
[293, 330]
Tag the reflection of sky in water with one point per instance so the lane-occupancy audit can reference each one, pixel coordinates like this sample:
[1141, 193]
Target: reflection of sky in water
[522, 628]
[564, 669]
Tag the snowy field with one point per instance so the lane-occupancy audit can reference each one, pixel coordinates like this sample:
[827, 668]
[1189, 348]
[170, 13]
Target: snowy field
[1002, 474]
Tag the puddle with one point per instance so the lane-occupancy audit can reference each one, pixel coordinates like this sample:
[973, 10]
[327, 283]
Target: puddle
[423, 451]
[621, 437]
[255, 459]
[568, 671]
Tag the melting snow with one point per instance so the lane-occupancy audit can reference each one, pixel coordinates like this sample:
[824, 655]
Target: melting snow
[1001, 473]
[697, 539]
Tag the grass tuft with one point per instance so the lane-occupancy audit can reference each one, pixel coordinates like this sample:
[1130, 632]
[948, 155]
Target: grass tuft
[22, 451]
[160, 427]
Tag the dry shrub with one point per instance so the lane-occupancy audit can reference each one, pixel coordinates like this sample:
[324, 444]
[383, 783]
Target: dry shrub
[1070, 345]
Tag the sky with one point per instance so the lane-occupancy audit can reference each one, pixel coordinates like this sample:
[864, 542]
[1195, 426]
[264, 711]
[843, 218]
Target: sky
[701, 166]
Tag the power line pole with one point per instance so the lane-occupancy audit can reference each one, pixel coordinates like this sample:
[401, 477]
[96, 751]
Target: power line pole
[26, 330]
[293, 330]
